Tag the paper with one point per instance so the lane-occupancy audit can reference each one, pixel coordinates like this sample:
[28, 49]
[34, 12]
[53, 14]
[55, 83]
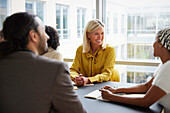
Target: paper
[89, 84]
[94, 95]
[75, 88]
[73, 82]
[97, 95]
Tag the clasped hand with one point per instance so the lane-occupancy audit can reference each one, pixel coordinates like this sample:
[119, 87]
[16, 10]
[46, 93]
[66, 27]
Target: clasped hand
[81, 80]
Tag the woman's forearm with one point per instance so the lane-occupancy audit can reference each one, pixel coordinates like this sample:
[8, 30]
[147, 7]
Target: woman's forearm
[137, 101]
[142, 88]
[135, 89]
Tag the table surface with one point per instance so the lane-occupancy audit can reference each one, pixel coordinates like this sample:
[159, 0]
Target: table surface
[99, 106]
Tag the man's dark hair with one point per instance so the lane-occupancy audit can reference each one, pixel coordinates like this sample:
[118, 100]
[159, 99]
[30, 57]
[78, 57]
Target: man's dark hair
[15, 32]
[54, 37]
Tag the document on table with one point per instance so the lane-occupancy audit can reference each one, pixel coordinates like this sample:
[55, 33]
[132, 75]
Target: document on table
[97, 95]
[73, 82]
[94, 94]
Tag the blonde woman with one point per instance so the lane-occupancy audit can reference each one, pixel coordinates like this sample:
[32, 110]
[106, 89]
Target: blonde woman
[94, 60]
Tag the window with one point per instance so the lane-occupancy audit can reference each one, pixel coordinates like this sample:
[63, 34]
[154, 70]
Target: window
[62, 21]
[36, 8]
[142, 23]
[122, 24]
[78, 14]
[3, 11]
[39, 10]
[138, 24]
[81, 12]
[135, 51]
[94, 14]
[122, 51]
[138, 77]
[164, 20]
[108, 23]
[116, 50]
[115, 26]
[29, 7]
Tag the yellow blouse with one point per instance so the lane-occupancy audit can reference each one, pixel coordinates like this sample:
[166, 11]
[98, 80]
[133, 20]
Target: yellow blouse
[97, 67]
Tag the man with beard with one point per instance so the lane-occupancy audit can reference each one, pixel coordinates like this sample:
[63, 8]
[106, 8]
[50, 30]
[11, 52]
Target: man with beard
[30, 83]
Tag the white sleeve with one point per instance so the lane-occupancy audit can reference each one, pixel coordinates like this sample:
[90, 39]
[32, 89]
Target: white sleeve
[162, 79]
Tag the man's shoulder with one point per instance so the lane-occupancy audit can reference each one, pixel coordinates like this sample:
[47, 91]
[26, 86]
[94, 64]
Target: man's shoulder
[49, 61]
[39, 60]
[49, 64]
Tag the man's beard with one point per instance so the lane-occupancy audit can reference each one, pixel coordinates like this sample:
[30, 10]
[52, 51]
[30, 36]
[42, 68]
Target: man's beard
[42, 48]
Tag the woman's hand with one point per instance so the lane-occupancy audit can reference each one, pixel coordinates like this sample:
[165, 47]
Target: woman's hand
[86, 80]
[113, 90]
[81, 80]
[106, 94]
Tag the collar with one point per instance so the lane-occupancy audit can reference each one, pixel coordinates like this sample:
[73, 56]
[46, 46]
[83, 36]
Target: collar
[50, 49]
[26, 49]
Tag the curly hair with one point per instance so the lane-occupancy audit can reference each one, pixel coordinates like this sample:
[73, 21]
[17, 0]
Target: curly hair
[54, 37]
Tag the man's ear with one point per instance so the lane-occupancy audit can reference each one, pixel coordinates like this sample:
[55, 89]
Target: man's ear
[33, 36]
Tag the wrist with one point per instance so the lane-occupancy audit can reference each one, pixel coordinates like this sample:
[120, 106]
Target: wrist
[89, 80]
[86, 80]
[116, 90]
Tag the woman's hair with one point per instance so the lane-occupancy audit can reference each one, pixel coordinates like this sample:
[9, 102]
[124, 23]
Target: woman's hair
[90, 27]
[164, 37]
[54, 37]
[15, 32]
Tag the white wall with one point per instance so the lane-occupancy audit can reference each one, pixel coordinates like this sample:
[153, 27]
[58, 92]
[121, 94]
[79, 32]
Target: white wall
[17, 6]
